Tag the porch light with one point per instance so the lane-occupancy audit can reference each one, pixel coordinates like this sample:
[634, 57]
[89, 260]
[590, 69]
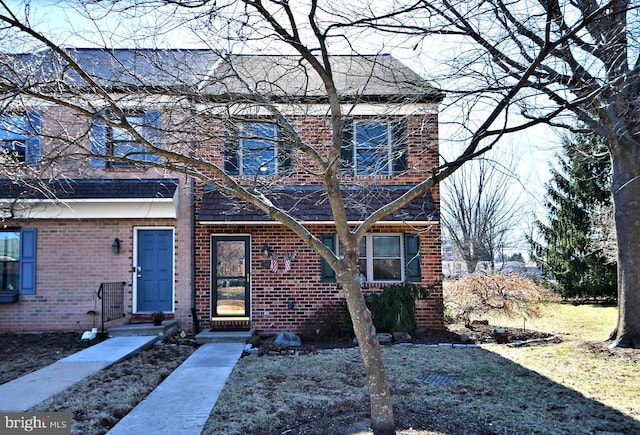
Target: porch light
[266, 250]
[115, 246]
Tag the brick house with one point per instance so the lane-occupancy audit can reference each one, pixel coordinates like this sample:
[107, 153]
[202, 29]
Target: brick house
[253, 272]
[160, 231]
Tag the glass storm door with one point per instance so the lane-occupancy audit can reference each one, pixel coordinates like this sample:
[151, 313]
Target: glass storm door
[230, 294]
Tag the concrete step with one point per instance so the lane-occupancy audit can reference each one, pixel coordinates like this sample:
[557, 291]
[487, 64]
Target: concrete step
[168, 327]
[210, 336]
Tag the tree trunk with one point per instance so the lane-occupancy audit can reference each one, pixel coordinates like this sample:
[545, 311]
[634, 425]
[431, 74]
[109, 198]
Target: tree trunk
[626, 197]
[382, 420]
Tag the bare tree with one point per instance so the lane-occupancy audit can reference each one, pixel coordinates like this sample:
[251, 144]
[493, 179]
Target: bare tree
[479, 211]
[528, 74]
[530, 62]
[235, 89]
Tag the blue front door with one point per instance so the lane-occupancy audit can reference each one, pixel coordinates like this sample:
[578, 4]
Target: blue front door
[154, 271]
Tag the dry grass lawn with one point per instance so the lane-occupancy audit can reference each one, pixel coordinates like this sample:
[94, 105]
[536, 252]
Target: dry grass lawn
[575, 387]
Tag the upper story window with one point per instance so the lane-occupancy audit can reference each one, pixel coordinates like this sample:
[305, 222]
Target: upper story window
[374, 147]
[19, 136]
[256, 148]
[119, 146]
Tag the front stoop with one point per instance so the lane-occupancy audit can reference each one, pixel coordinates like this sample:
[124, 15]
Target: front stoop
[168, 327]
[209, 336]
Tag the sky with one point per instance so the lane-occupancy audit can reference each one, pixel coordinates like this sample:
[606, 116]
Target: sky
[533, 149]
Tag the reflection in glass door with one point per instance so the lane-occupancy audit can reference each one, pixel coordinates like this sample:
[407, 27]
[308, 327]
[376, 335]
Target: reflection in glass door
[230, 295]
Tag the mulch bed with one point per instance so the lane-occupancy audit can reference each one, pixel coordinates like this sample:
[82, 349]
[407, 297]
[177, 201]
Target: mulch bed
[476, 333]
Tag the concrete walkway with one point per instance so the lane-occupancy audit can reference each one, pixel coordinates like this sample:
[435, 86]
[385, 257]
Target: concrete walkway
[33, 388]
[181, 404]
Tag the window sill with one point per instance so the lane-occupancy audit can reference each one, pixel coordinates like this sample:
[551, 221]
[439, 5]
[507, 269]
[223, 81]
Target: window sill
[9, 298]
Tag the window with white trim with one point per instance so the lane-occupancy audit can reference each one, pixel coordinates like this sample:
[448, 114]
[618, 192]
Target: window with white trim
[256, 148]
[374, 147]
[381, 258]
[19, 136]
[384, 257]
[17, 263]
[118, 146]
[9, 261]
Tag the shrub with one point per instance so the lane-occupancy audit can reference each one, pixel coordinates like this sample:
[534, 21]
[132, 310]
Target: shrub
[394, 310]
[509, 294]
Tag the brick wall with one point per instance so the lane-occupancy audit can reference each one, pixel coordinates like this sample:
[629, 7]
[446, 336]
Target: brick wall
[74, 257]
[317, 306]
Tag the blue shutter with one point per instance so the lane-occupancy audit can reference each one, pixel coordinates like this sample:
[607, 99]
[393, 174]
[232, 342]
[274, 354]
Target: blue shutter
[153, 133]
[326, 272]
[346, 153]
[412, 258]
[34, 140]
[400, 146]
[28, 261]
[98, 141]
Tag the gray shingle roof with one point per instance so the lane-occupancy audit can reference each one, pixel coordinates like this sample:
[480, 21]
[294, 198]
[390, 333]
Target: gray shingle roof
[112, 68]
[310, 204]
[89, 189]
[278, 77]
[366, 78]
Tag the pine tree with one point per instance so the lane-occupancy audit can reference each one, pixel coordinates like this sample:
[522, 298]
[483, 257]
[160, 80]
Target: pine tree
[578, 196]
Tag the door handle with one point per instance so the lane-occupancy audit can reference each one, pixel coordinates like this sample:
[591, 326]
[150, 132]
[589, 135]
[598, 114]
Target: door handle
[139, 268]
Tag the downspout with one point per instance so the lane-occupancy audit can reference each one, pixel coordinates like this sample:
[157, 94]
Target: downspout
[194, 314]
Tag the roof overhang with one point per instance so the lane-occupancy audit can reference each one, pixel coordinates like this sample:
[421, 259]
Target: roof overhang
[92, 199]
[309, 205]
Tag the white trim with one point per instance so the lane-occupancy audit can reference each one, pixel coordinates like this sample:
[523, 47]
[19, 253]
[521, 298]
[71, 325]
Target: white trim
[134, 270]
[409, 223]
[356, 109]
[92, 208]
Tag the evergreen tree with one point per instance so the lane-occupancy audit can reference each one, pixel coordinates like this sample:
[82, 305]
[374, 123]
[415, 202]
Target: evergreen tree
[578, 196]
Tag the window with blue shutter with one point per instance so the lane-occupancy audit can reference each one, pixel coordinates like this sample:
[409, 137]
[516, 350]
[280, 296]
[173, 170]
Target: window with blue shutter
[374, 147]
[121, 145]
[17, 263]
[20, 136]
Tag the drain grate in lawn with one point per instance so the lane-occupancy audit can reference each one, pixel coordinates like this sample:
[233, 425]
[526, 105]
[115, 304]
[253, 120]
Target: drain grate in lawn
[437, 378]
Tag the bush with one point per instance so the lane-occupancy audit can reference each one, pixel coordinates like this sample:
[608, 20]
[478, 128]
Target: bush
[394, 310]
[509, 294]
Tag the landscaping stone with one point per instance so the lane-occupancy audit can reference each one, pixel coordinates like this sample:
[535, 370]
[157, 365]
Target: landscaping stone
[401, 337]
[288, 339]
[384, 338]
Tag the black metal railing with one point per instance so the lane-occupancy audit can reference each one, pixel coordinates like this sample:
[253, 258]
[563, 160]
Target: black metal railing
[112, 296]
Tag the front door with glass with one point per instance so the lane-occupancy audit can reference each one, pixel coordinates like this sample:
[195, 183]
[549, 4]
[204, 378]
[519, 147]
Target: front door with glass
[230, 283]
